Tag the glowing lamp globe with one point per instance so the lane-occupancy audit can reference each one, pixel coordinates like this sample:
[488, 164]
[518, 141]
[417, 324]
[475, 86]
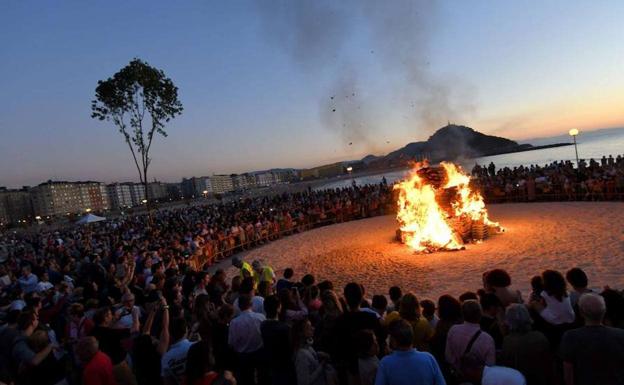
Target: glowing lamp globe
[573, 132]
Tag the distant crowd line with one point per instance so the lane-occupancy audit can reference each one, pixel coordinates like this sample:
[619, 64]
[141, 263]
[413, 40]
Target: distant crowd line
[593, 180]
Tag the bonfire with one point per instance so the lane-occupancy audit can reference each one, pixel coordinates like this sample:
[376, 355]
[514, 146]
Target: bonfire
[438, 209]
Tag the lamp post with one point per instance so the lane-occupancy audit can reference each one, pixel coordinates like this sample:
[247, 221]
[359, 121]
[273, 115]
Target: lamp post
[573, 133]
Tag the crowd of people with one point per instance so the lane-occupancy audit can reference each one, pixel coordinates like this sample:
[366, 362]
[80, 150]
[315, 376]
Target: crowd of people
[601, 179]
[164, 323]
[134, 301]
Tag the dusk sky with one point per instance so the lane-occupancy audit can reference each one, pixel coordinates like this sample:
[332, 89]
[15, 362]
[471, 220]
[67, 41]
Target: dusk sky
[257, 78]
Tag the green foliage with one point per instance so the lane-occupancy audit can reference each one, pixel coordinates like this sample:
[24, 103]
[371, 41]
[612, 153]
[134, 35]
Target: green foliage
[135, 92]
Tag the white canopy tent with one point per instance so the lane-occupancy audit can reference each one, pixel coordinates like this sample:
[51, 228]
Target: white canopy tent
[90, 218]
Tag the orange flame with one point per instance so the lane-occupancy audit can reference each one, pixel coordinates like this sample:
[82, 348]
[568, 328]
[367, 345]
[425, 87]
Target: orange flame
[424, 224]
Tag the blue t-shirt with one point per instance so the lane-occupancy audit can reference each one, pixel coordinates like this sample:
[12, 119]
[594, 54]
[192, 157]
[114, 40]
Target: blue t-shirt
[409, 367]
[174, 361]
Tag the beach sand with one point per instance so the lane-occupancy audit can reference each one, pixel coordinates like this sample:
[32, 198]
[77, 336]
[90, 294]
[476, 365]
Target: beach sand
[538, 236]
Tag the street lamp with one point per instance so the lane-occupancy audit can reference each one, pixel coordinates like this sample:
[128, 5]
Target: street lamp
[573, 133]
[88, 210]
[205, 192]
[144, 201]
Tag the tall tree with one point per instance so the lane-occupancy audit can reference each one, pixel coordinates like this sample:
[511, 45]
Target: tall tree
[139, 100]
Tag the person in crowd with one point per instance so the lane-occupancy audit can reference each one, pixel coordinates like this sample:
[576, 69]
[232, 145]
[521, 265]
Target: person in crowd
[449, 311]
[262, 273]
[173, 365]
[308, 280]
[217, 287]
[593, 354]
[429, 312]
[406, 365]
[50, 370]
[23, 357]
[232, 294]
[578, 280]
[245, 268]
[310, 366]
[368, 350]
[330, 311]
[202, 279]
[28, 281]
[469, 338]
[492, 308]
[395, 293]
[498, 281]
[97, 366]
[8, 334]
[247, 289]
[347, 325]
[219, 334]
[554, 307]
[614, 301]
[409, 310]
[379, 304]
[128, 314]
[277, 344]
[112, 342]
[525, 349]
[79, 326]
[475, 371]
[292, 307]
[199, 371]
[537, 286]
[147, 352]
[468, 295]
[245, 339]
[286, 281]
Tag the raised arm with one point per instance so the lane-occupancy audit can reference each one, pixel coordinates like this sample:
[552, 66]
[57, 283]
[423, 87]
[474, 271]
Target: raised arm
[163, 343]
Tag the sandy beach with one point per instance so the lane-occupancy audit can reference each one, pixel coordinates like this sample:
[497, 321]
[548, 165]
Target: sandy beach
[538, 236]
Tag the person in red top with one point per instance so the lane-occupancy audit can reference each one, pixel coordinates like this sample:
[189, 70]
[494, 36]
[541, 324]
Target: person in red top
[98, 368]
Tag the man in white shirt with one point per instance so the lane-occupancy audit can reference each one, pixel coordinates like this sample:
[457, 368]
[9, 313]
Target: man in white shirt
[245, 338]
[173, 363]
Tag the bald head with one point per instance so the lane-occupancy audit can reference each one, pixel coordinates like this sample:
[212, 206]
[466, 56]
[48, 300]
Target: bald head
[592, 307]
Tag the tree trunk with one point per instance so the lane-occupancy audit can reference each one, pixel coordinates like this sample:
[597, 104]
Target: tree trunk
[148, 203]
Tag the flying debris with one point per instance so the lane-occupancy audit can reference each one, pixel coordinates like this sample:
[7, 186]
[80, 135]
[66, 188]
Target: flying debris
[387, 141]
[350, 143]
[334, 110]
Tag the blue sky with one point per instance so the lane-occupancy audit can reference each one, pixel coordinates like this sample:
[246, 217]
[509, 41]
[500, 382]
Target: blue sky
[255, 97]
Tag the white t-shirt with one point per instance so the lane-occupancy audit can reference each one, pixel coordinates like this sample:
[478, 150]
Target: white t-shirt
[500, 375]
[173, 362]
[556, 312]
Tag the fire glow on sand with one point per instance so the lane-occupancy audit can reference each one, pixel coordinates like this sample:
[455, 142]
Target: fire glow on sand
[438, 210]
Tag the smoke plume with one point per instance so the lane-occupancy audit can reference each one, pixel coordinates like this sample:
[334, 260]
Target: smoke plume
[397, 35]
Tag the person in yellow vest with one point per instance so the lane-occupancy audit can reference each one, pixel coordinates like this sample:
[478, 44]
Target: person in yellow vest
[263, 273]
[245, 268]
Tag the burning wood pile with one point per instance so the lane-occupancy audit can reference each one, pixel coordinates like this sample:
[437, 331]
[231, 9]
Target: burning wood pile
[438, 210]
